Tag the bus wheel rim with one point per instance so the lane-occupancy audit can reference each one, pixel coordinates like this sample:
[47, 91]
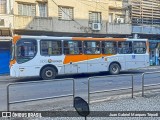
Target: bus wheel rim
[49, 73]
[115, 68]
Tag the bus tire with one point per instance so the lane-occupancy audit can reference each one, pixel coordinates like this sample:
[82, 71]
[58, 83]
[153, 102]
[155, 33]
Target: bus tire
[114, 69]
[48, 73]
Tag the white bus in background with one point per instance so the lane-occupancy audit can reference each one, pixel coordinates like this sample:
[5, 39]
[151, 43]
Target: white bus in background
[48, 57]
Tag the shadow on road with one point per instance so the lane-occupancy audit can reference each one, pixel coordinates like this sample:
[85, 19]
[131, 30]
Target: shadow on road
[76, 76]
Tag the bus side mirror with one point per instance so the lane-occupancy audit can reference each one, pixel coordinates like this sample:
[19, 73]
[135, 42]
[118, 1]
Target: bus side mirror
[81, 106]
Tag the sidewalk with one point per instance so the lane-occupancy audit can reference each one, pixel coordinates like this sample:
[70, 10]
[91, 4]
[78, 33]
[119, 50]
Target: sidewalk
[149, 103]
[149, 68]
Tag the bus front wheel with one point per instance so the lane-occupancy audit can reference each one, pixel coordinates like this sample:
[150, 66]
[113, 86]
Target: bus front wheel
[48, 73]
[114, 69]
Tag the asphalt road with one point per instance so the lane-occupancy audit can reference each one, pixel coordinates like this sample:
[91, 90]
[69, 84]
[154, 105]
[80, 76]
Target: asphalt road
[48, 89]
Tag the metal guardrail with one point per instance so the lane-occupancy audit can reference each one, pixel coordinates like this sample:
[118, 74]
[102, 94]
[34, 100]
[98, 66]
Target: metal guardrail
[143, 86]
[45, 98]
[71, 79]
[91, 78]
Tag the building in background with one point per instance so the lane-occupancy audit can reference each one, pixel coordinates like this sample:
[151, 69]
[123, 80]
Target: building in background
[145, 19]
[98, 18]
[6, 17]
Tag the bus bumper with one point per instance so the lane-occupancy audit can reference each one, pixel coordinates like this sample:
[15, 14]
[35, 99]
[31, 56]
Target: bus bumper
[13, 72]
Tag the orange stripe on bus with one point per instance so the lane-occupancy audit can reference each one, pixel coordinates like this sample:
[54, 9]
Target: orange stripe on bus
[12, 62]
[100, 39]
[15, 39]
[79, 58]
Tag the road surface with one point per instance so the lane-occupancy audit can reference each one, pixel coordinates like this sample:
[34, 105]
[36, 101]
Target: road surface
[48, 89]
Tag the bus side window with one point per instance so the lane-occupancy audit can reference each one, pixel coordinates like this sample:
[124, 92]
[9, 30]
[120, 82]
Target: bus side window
[72, 47]
[57, 48]
[51, 47]
[109, 47]
[139, 47]
[92, 47]
[66, 48]
[44, 48]
[125, 47]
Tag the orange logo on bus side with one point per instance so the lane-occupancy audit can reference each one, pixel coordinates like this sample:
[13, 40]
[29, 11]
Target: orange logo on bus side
[50, 60]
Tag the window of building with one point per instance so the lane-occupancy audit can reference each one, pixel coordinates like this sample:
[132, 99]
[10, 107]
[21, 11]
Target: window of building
[139, 47]
[109, 47]
[65, 13]
[124, 47]
[42, 10]
[51, 47]
[92, 47]
[110, 18]
[27, 9]
[3, 6]
[1, 22]
[125, 1]
[95, 17]
[72, 47]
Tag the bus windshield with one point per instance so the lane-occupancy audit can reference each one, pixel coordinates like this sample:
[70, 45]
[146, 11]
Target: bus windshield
[26, 50]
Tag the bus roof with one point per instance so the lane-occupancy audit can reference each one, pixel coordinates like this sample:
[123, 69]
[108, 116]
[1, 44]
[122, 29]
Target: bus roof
[45, 37]
[16, 38]
[72, 38]
[133, 39]
[86, 38]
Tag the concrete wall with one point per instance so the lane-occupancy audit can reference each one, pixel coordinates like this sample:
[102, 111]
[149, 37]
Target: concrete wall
[81, 16]
[81, 7]
[51, 24]
[113, 28]
[8, 21]
[80, 24]
[146, 29]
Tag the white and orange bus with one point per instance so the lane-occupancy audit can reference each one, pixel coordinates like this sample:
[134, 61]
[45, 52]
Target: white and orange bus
[48, 57]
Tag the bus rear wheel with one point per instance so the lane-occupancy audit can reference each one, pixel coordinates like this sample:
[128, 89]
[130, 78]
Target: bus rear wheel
[114, 69]
[48, 73]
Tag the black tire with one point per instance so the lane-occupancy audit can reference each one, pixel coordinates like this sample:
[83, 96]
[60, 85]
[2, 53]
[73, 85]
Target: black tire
[48, 73]
[114, 69]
